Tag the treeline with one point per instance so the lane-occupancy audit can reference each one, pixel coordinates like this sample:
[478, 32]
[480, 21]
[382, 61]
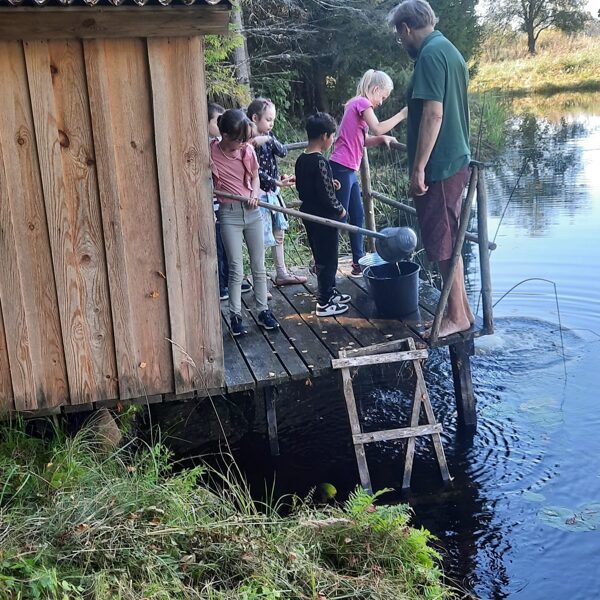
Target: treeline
[307, 55]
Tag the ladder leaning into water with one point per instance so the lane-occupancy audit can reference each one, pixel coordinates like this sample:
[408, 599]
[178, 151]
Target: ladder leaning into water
[385, 353]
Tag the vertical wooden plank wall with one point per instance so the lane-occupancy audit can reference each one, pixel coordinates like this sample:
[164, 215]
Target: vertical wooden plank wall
[107, 246]
[58, 92]
[32, 330]
[7, 401]
[120, 100]
[180, 122]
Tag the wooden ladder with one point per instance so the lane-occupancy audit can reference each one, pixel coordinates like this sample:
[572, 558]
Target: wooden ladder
[390, 352]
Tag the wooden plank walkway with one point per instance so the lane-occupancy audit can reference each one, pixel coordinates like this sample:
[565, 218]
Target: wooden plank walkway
[305, 344]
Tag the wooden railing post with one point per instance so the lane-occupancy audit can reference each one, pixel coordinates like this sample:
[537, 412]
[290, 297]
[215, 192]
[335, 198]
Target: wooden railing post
[484, 255]
[460, 238]
[367, 194]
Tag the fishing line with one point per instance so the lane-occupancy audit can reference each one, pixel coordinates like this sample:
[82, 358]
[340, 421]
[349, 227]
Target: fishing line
[514, 189]
[560, 327]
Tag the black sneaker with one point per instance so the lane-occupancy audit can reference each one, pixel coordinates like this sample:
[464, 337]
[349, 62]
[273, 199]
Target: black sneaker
[338, 298]
[267, 321]
[330, 309]
[237, 327]
[246, 286]
[224, 294]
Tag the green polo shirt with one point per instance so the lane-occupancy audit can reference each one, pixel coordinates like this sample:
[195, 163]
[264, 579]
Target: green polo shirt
[440, 74]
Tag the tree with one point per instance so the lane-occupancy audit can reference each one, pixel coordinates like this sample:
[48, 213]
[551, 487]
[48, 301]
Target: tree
[535, 16]
[309, 54]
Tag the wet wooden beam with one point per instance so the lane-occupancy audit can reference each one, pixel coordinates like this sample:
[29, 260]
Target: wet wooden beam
[460, 357]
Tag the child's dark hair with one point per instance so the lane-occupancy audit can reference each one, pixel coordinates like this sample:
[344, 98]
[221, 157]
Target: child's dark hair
[214, 109]
[258, 106]
[235, 124]
[318, 124]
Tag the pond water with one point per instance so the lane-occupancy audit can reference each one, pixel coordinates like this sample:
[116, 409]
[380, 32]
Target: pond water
[522, 517]
[528, 522]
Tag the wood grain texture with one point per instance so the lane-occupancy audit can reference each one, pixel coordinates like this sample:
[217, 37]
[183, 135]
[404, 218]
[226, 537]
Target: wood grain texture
[86, 22]
[120, 102]
[359, 449]
[7, 401]
[13, 306]
[181, 129]
[397, 434]
[377, 359]
[31, 306]
[58, 92]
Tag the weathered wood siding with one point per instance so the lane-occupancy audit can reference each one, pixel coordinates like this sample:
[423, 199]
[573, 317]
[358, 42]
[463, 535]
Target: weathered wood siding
[108, 285]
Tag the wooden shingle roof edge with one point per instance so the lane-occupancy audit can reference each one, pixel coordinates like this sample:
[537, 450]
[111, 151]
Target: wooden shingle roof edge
[224, 4]
[82, 19]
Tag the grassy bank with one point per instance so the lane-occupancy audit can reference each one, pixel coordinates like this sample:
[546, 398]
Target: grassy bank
[80, 522]
[562, 62]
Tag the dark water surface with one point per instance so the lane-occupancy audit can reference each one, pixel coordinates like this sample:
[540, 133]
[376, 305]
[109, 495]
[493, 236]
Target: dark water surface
[522, 517]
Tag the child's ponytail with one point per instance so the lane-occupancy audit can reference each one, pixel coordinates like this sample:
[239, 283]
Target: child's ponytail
[372, 79]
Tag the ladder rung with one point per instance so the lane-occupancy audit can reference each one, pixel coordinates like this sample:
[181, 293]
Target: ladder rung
[361, 361]
[396, 434]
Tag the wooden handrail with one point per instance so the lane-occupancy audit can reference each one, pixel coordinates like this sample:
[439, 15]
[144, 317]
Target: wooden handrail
[367, 195]
[484, 255]
[471, 236]
[300, 145]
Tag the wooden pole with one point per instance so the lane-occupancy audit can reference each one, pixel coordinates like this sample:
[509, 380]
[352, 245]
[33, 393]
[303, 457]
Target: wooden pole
[484, 256]
[472, 237]
[460, 358]
[367, 194]
[271, 420]
[307, 216]
[462, 230]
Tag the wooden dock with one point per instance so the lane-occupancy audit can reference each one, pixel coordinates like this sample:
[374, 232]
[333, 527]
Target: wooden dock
[305, 344]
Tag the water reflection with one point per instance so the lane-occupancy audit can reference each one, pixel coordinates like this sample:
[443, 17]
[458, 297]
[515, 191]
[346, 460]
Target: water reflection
[539, 170]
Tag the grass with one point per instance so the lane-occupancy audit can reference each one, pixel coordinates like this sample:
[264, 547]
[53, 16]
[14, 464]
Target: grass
[80, 522]
[563, 62]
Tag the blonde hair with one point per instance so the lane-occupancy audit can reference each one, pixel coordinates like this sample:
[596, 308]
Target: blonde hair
[372, 79]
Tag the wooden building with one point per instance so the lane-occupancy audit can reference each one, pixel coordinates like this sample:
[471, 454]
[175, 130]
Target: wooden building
[108, 285]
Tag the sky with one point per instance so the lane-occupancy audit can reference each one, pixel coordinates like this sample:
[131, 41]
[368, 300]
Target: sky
[593, 6]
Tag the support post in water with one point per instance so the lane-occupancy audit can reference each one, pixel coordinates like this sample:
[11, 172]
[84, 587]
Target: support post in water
[268, 393]
[460, 357]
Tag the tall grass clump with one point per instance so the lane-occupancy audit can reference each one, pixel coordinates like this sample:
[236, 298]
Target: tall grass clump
[563, 62]
[80, 522]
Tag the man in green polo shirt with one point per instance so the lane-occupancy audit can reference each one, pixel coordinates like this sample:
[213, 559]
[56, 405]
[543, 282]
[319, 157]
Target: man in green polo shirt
[437, 144]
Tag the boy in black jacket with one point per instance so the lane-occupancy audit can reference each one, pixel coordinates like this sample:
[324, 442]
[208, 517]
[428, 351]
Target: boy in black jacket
[316, 188]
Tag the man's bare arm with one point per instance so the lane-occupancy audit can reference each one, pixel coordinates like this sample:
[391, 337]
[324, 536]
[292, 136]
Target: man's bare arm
[429, 129]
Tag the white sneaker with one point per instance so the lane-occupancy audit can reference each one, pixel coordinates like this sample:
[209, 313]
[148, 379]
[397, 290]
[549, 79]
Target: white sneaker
[339, 298]
[330, 309]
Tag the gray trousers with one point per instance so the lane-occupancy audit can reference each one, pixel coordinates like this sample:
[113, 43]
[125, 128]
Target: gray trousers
[240, 223]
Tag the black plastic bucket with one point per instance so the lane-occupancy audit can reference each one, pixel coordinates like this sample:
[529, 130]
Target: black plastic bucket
[394, 287]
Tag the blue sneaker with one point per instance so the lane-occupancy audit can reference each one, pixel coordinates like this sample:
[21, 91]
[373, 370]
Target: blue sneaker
[267, 321]
[237, 327]
[224, 294]
[246, 286]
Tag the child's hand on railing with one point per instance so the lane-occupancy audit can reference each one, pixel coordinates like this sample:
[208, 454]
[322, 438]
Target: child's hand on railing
[260, 140]
[252, 202]
[287, 181]
[387, 140]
